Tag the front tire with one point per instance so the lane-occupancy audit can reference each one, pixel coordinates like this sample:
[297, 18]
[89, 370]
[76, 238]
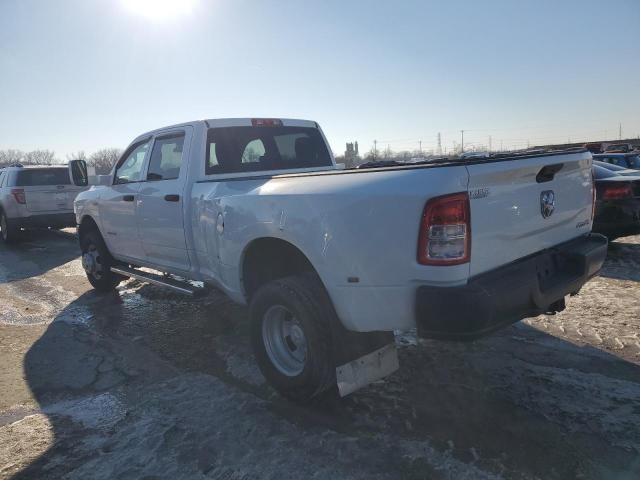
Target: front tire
[291, 337]
[8, 232]
[97, 262]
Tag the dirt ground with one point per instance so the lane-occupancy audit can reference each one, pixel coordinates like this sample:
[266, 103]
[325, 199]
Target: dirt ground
[147, 384]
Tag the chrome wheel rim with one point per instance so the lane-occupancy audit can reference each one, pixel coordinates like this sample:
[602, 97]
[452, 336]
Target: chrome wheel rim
[92, 263]
[284, 340]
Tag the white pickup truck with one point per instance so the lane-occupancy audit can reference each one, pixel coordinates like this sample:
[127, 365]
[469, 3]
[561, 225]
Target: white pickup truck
[332, 261]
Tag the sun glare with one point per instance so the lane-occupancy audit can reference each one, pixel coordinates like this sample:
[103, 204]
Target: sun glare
[159, 10]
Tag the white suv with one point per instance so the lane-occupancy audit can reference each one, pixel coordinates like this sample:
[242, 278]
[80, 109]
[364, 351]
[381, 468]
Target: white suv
[39, 196]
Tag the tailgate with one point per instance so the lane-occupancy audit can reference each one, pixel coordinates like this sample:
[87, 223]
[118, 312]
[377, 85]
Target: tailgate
[50, 198]
[525, 205]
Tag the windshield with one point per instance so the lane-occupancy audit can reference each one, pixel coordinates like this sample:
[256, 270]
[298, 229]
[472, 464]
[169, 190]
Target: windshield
[634, 161]
[251, 149]
[602, 172]
[609, 166]
[43, 176]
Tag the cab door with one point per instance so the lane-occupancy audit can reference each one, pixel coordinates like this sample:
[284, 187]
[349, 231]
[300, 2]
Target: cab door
[160, 204]
[118, 204]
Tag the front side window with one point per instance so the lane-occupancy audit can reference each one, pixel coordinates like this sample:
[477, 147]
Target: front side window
[131, 168]
[166, 158]
[262, 148]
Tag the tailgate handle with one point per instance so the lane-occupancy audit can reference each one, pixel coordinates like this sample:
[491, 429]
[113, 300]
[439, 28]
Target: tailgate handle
[127, 198]
[172, 198]
[547, 173]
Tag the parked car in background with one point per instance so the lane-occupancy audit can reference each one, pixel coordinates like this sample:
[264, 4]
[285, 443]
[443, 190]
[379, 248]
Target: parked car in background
[626, 160]
[595, 147]
[619, 148]
[616, 168]
[330, 261]
[617, 212]
[39, 196]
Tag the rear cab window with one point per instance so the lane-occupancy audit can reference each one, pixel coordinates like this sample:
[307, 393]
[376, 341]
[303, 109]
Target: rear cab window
[34, 177]
[264, 148]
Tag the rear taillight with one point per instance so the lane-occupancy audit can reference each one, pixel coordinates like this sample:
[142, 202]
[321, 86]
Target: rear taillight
[617, 192]
[266, 122]
[18, 194]
[445, 231]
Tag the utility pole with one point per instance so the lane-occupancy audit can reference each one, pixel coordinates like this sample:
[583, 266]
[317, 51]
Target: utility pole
[462, 142]
[501, 149]
[375, 149]
[489, 143]
[619, 131]
[439, 144]
[420, 142]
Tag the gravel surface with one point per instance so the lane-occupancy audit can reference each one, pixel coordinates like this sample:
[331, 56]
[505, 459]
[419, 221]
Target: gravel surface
[148, 384]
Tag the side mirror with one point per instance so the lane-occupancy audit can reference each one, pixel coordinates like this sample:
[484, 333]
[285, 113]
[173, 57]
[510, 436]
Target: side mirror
[78, 173]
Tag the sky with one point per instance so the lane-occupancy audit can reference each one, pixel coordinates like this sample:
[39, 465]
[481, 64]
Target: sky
[86, 74]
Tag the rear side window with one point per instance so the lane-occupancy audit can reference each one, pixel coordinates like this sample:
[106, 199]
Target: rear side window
[42, 176]
[254, 149]
[166, 158]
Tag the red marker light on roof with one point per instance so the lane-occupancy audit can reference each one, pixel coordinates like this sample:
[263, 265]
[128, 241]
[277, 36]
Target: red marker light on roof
[266, 122]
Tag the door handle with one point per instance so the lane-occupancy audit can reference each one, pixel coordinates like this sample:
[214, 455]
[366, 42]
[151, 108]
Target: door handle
[172, 198]
[127, 198]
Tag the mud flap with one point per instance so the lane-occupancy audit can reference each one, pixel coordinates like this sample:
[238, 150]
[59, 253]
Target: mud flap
[367, 369]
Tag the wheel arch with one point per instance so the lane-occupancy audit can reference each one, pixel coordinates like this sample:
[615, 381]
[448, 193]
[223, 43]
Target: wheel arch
[87, 224]
[265, 259]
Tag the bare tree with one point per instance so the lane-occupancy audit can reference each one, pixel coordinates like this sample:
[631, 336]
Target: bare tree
[7, 157]
[79, 155]
[39, 157]
[104, 159]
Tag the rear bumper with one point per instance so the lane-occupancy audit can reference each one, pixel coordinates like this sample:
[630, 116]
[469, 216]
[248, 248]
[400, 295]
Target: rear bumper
[617, 218]
[55, 220]
[526, 288]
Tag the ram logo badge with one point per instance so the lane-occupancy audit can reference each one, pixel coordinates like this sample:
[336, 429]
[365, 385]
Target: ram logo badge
[547, 203]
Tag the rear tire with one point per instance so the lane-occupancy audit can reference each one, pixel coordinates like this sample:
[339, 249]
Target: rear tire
[291, 336]
[8, 232]
[97, 262]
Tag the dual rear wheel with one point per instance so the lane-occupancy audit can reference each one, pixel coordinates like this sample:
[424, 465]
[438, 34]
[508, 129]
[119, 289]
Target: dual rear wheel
[290, 331]
[291, 337]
